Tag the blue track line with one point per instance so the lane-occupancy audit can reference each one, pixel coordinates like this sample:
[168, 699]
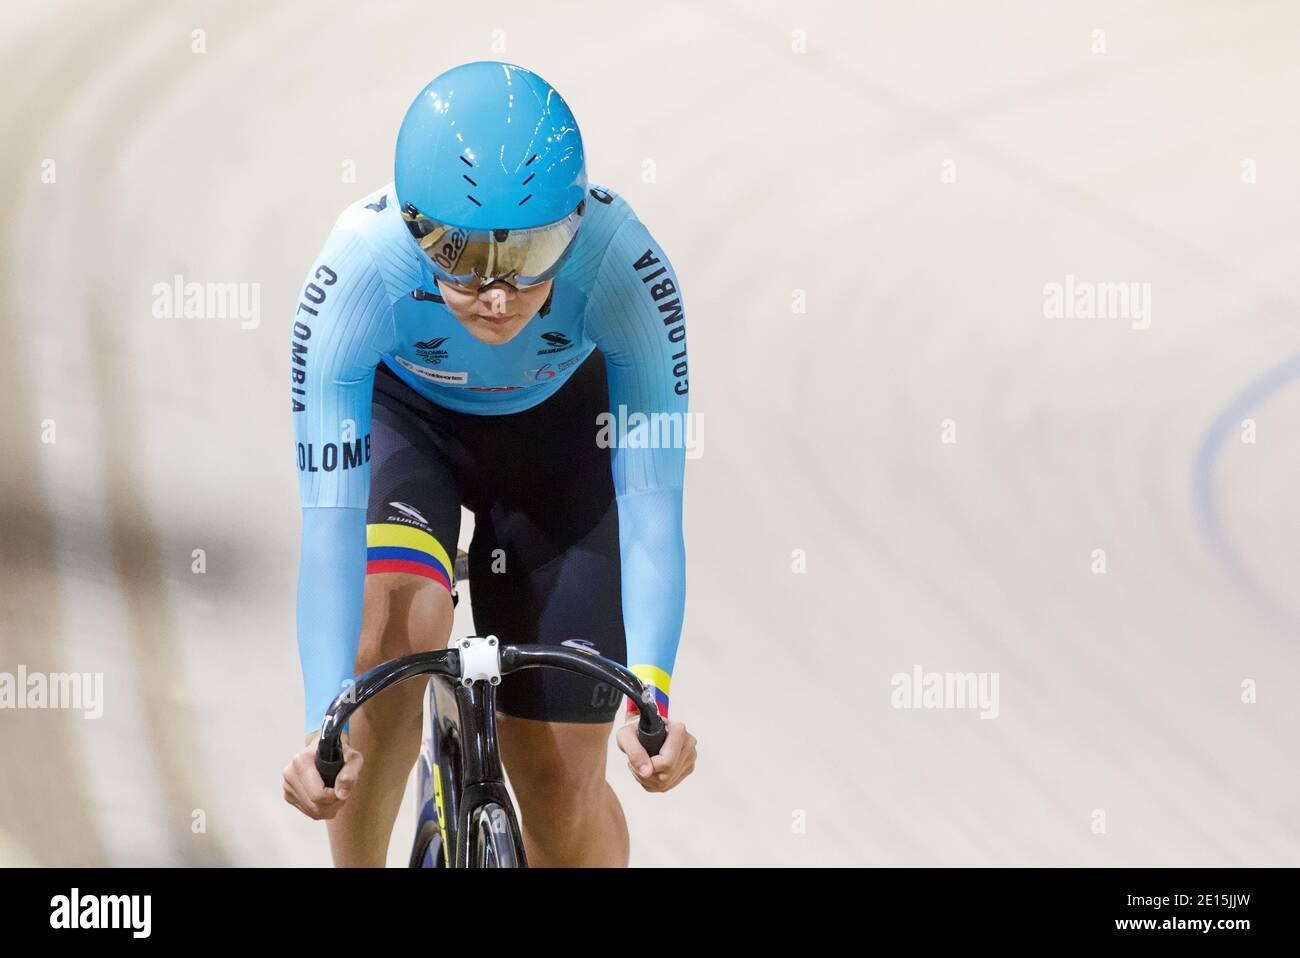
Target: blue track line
[1227, 424]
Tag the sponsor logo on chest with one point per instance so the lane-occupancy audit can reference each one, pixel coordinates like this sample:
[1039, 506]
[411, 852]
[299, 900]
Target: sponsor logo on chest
[434, 375]
[431, 351]
[555, 343]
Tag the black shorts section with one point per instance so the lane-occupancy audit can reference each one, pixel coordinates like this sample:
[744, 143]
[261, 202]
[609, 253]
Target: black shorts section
[411, 483]
[544, 560]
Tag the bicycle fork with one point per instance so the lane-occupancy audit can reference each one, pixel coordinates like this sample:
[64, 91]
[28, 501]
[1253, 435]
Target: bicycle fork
[484, 778]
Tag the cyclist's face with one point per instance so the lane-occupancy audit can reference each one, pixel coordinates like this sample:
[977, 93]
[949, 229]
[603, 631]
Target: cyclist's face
[494, 313]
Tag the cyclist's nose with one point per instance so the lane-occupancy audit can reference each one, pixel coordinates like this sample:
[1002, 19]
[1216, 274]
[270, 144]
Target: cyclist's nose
[498, 296]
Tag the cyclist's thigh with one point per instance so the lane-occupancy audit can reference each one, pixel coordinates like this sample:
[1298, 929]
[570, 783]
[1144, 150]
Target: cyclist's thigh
[544, 561]
[412, 526]
[574, 599]
[553, 762]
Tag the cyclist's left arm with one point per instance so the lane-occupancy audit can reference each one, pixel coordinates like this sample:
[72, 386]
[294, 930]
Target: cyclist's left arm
[635, 315]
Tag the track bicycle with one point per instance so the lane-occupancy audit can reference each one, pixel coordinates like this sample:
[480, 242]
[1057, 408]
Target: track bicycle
[466, 818]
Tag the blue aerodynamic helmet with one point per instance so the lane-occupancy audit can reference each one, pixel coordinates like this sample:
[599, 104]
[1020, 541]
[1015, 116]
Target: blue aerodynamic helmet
[490, 175]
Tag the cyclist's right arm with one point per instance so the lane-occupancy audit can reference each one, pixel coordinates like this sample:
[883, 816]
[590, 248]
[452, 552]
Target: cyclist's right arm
[342, 321]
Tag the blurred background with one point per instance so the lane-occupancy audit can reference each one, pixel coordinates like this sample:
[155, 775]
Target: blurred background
[908, 461]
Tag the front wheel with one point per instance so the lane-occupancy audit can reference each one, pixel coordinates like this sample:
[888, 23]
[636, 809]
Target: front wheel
[429, 850]
[492, 842]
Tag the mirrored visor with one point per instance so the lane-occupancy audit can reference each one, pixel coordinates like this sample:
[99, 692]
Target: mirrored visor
[519, 257]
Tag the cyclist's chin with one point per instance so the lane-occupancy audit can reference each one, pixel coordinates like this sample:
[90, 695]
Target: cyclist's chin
[495, 330]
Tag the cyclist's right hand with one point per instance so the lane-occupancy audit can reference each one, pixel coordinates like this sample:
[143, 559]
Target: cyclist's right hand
[304, 790]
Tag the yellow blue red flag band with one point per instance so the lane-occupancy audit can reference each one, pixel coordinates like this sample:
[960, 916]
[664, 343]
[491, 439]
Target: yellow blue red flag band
[660, 680]
[391, 547]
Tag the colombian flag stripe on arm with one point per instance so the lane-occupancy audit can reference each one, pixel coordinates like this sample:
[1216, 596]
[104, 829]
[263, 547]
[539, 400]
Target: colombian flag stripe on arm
[397, 548]
[657, 678]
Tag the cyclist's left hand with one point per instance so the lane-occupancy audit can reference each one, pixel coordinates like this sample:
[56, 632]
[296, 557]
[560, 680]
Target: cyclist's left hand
[666, 770]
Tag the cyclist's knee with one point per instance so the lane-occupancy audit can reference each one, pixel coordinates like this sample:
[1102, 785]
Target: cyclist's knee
[562, 807]
[557, 769]
[403, 614]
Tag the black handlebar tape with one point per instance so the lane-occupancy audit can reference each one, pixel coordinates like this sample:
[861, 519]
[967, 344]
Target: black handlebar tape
[329, 771]
[652, 742]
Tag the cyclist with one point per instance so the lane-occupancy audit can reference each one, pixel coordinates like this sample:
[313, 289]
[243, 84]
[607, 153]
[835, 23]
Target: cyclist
[463, 338]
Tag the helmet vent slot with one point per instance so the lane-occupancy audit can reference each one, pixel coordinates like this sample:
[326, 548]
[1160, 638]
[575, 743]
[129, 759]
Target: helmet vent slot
[526, 199]
[530, 160]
